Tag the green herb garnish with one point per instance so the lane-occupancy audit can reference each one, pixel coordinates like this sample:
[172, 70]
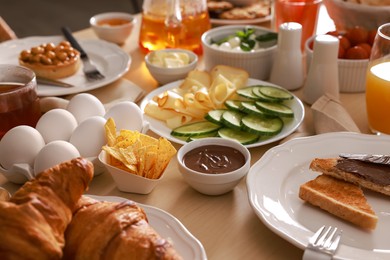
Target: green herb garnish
[247, 43]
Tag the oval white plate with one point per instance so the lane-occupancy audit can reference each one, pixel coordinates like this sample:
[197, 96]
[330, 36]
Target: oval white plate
[170, 227]
[290, 125]
[109, 58]
[273, 186]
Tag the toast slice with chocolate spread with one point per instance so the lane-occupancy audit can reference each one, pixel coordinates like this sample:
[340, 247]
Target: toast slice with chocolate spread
[340, 198]
[368, 175]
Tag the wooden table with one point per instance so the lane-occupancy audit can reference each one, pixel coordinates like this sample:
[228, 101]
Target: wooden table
[226, 225]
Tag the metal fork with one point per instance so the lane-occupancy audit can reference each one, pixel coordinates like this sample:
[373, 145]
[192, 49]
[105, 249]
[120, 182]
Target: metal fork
[89, 69]
[323, 244]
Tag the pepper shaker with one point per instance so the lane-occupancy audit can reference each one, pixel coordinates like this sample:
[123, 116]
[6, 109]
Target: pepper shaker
[322, 77]
[287, 69]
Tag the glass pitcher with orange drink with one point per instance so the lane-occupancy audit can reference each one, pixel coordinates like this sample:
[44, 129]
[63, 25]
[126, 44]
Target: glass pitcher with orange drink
[378, 83]
[173, 24]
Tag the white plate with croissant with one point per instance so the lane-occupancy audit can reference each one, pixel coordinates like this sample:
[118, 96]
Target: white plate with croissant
[274, 183]
[169, 228]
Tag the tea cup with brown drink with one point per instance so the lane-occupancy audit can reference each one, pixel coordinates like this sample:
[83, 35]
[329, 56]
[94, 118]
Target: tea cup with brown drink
[19, 102]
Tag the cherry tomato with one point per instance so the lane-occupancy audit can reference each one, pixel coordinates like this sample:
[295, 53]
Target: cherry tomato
[366, 46]
[371, 36]
[357, 35]
[341, 54]
[344, 42]
[356, 53]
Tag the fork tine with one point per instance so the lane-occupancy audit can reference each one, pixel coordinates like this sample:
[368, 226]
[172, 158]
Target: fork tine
[335, 242]
[329, 240]
[313, 240]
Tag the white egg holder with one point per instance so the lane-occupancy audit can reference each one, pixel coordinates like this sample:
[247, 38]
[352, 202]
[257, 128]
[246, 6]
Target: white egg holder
[19, 173]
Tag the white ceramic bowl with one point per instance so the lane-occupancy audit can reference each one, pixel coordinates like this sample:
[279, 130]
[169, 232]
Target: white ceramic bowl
[347, 14]
[257, 63]
[165, 75]
[213, 184]
[128, 182]
[352, 73]
[107, 27]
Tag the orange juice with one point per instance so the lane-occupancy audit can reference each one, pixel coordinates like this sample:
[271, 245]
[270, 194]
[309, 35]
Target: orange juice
[378, 97]
[154, 35]
[303, 12]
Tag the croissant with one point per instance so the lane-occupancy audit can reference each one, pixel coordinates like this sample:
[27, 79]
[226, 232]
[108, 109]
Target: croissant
[33, 221]
[111, 230]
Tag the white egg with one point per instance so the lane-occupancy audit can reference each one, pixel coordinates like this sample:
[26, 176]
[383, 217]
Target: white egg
[21, 144]
[85, 105]
[56, 124]
[127, 115]
[89, 136]
[54, 153]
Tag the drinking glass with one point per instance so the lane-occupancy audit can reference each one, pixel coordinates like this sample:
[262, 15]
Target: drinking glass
[378, 83]
[177, 24]
[19, 102]
[304, 12]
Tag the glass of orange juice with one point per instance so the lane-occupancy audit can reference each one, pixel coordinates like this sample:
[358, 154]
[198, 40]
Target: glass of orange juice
[175, 24]
[304, 12]
[378, 83]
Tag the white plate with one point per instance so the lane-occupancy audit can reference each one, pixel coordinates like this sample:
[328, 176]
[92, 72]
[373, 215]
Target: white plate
[110, 59]
[170, 227]
[216, 21]
[273, 186]
[290, 125]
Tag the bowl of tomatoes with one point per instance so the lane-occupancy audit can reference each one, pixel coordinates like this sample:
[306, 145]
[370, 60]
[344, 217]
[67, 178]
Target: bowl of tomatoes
[354, 52]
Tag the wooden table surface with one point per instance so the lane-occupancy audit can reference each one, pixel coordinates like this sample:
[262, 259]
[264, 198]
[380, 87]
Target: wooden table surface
[226, 225]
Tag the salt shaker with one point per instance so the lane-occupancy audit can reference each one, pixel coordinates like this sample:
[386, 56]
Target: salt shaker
[322, 77]
[287, 69]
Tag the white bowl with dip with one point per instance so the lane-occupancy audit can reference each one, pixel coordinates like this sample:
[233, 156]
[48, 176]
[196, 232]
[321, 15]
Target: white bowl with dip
[212, 183]
[170, 64]
[114, 27]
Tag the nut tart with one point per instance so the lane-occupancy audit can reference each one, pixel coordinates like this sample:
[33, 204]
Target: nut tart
[51, 61]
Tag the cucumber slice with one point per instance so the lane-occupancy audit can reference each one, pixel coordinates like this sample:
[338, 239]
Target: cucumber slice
[232, 119]
[247, 92]
[277, 93]
[261, 97]
[234, 105]
[240, 136]
[197, 128]
[211, 134]
[250, 108]
[214, 116]
[262, 126]
[276, 109]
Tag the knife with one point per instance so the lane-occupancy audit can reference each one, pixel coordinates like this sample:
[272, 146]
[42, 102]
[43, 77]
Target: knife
[52, 82]
[372, 158]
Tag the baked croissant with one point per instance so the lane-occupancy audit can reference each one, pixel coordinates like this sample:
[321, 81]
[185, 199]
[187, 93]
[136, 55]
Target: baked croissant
[33, 222]
[110, 230]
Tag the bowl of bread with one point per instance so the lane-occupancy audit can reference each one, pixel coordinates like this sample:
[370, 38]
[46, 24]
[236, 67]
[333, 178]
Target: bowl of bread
[367, 13]
[251, 48]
